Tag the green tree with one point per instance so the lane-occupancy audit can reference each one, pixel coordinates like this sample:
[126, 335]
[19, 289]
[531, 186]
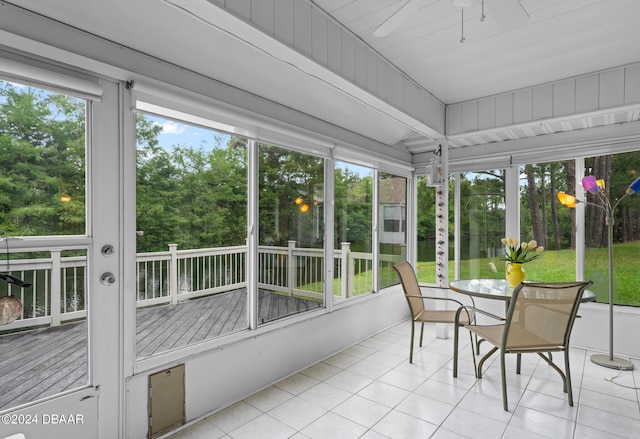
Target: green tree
[42, 162]
[193, 196]
[284, 177]
[353, 209]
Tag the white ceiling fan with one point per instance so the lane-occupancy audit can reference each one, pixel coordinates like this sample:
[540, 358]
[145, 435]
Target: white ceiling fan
[509, 14]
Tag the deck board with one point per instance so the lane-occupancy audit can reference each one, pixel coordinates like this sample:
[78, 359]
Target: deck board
[43, 362]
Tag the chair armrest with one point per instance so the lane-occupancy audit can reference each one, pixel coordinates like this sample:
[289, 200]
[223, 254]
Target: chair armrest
[477, 310]
[448, 290]
[435, 298]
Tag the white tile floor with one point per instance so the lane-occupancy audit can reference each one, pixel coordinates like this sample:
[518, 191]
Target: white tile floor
[371, 391]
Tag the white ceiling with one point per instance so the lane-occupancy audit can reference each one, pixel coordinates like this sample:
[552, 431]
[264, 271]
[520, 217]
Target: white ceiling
[560, 39]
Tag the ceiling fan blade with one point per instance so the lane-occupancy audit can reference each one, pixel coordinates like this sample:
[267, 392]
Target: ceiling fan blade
[398, 17]
[509, 14]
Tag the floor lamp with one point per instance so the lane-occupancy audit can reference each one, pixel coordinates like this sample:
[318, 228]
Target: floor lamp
[596, 187]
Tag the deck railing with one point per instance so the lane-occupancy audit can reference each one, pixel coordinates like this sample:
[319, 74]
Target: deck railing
[59, 283]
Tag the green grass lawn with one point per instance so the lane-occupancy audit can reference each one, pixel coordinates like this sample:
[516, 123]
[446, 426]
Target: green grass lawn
[553, 266]
[560, 265]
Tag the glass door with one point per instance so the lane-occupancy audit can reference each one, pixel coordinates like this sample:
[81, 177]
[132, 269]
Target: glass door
[44, 244]
[60, 259]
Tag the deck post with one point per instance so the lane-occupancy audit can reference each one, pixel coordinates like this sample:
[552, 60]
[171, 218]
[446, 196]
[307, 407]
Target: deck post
[56, 285]
[291, 267]
[345, 249]
[173, 273]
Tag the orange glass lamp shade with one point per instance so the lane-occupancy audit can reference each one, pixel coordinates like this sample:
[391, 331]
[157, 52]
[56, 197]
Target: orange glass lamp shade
[568, 200]
[304, 208]
[65, 198]
[299, 200]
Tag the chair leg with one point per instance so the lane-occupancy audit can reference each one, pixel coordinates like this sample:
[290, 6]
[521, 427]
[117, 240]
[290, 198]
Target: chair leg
[455, 350]
[473, 354]
[568, 380]
[421, 332]
[557, 369]
[411, 343]
[504, 380]
[478, 344]
[518, 363]
[483, 359]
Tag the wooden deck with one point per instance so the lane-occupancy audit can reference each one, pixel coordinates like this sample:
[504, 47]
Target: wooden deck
[39, 363]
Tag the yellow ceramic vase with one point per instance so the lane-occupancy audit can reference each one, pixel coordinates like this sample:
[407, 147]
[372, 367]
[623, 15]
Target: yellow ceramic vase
[515, 273]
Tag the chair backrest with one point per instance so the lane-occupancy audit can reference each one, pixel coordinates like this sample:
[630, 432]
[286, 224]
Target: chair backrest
[541, 314]
[410, 286]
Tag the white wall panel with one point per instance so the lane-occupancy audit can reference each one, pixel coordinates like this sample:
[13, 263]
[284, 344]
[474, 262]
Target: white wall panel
[454, 119]
[470, 116]
[523, 106]
[348, 56]
[283, 20]
[399, 86]
[572, 96]
[360, 61]
[372, 71]
[423, 109]
[436, 114]
[390, 93]
[262, 14]
[504, 109]
[587, 93]
[334, 47]
[240, 7]
[410, 104]
[542, 102]
[612, 88]
[302, 27]
[632, 84]
[319, 37]
[381, 79]
[301, 24]
[564, 97]
[486, 113]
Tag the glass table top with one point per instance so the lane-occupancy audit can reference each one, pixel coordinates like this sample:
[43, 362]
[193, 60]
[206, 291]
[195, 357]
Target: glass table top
[496, 289]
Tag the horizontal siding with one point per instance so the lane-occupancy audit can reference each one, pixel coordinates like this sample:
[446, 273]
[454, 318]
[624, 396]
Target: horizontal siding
[579, 95]
[304, 27]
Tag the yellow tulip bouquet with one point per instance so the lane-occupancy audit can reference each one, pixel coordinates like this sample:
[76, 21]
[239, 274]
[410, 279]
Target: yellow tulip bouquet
[517, 253]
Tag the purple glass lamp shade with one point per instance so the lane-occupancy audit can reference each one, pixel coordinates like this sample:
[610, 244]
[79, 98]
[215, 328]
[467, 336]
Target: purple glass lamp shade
[634, 186]
[590, 184]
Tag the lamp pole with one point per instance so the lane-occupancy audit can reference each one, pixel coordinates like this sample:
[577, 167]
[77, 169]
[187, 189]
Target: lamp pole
[597, 187]
[601, 359]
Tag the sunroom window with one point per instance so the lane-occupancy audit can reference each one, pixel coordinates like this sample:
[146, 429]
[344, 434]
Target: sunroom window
[191, 234]
[482, 224]
[291, 218]
[617, 172]
[545, 220]
[353, 230]
[392, 201]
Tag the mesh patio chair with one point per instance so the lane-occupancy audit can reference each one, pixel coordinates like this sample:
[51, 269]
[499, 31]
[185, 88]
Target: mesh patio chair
[416, 301]
[539, 320]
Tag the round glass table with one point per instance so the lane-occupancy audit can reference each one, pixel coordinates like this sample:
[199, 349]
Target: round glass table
[496, 289]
